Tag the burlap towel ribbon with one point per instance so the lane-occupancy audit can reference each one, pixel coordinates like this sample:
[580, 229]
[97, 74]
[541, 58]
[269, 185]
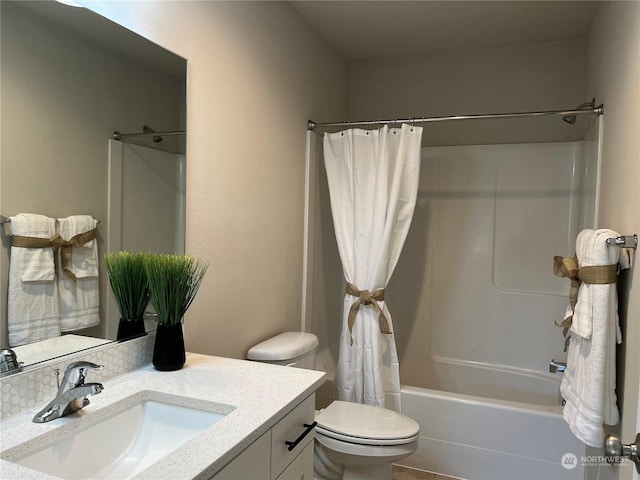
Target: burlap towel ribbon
[370, 300]
[58, 244]
[594, 275]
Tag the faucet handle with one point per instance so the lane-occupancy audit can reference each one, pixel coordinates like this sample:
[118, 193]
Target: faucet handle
[74, 373]
[83, 364]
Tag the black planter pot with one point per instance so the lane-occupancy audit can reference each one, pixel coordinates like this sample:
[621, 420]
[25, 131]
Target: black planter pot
[130, 328]
[168, 351]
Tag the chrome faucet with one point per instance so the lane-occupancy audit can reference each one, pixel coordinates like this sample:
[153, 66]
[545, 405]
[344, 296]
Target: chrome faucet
[9, 361]
[72, 392]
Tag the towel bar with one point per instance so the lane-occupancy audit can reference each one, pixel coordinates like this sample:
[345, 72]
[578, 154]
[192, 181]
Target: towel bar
[624, 241]
[4, 219]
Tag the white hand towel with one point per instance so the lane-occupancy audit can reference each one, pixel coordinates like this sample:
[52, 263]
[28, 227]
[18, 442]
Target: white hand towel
[32, 297]
[79, 299]
[588, 384]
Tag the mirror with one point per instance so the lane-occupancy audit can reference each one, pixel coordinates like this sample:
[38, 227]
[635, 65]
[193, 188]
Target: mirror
[69, 79]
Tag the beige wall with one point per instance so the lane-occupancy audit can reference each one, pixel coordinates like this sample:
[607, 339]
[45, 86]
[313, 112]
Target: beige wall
[63, 95]
[614, 77]
[532, 77]
[256, 74]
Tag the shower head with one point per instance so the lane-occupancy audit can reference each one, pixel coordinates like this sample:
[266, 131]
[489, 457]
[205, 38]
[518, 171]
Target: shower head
[156, 138]
[571, 119]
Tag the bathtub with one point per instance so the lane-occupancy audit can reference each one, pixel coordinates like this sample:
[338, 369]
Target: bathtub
[480, 438]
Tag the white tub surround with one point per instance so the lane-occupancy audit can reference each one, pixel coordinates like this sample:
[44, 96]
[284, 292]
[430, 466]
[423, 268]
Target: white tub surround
[262, 395]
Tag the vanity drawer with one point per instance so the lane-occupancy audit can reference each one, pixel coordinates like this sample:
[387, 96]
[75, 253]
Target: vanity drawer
[301, 468]
[290, 429]
[251, 464]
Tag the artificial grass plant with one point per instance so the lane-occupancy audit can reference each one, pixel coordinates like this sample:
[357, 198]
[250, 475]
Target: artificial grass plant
[128, 279]
[174, 281]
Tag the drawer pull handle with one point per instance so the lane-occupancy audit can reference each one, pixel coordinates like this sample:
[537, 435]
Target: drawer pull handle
[309, 428]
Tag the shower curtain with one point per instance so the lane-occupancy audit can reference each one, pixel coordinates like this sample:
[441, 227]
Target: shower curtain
[373, 183]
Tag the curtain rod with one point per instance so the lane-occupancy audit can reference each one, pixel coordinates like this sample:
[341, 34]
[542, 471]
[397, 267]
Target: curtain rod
[593, 110]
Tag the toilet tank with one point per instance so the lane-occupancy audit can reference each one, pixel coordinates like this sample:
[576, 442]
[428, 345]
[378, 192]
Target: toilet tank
[294, 349]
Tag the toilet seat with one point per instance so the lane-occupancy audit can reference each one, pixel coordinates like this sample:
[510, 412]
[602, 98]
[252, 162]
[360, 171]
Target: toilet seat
[366, 425]
[365, 441]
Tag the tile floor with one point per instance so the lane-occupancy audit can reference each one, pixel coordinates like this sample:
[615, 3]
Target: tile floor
[406, 473]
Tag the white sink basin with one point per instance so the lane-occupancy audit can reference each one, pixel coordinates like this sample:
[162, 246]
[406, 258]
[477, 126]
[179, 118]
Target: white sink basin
[144, 428]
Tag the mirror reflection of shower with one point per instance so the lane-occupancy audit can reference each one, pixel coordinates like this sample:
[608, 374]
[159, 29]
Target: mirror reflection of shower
[156, 138]
[147, 204]
[160, 139]
[147, 131]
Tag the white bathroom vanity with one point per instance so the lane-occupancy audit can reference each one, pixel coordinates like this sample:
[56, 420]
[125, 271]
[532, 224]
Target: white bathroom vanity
[261, 407]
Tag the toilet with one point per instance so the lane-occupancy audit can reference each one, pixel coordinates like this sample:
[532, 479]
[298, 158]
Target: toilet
[353, 441]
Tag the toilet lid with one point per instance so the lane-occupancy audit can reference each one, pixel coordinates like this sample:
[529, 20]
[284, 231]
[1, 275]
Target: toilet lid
[286, 346]
[359, 423]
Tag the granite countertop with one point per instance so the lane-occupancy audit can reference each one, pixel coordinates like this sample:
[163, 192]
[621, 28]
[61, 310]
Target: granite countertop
[262, 394]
